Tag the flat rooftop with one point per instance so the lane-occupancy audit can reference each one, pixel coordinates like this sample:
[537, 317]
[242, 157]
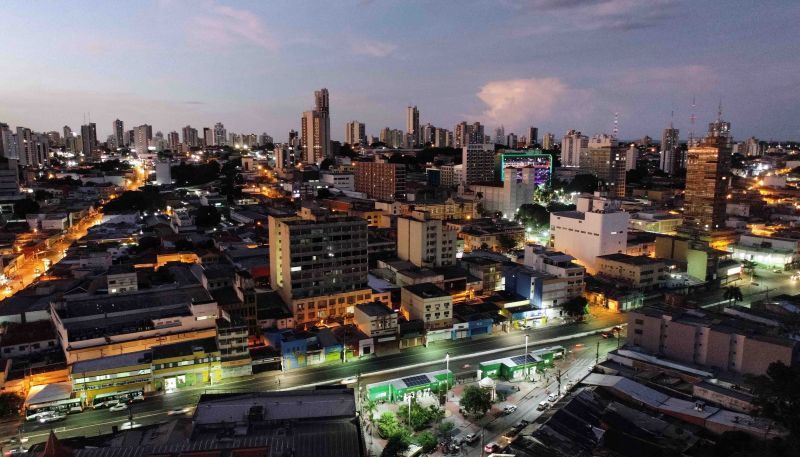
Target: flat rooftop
[426, 290]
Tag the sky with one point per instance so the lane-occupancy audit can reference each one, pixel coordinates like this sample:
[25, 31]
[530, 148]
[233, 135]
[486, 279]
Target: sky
[553, 64]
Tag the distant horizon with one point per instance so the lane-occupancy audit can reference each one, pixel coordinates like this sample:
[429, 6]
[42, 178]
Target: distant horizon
[555, 65]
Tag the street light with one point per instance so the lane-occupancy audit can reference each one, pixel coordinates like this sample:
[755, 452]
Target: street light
[527, 374]
[447, 375]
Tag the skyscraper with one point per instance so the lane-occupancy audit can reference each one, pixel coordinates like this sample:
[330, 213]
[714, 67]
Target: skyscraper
[571, 146]
[355, 133]
[173, 140]
[548, 141]
[316, 129]
[208, 137]
[533, 136]
[190, 136]
[6, 139]
[119, 133]
[500, 135]
[412, 124]
[220, 135]
[707, 178]
[669, 150]
[142, 136]
[605, 158]
[89, 138]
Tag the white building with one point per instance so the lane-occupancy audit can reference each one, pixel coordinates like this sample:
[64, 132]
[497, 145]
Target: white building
[427, 303]
[340, 180]
[631, 157]
[508, 196]
[163, 172]
[571, 146]
[597, 227]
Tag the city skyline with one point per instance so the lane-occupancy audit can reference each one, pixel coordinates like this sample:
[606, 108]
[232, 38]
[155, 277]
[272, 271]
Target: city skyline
[553, 65]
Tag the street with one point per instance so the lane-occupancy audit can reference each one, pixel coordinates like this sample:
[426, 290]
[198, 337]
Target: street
[414, 360]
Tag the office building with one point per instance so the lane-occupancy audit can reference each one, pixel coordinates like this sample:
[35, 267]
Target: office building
[500, 135]
[478, 162]
[6, 138]
[572, 145]
[638, 272]
[190, 137]
[220, 135]
[707, 180]
[670, 150]
[424, 241]
[381, 180]
[548, 141]
[173, 140]
[315, 137]
[511, 140]
[631, 157]
[318, 264]
[596, 227]
[9, 180]
[355, 133]
[412, 124]
[427, 135]
[208, 137]
[428, 303]
[605, 158]
[142, 138]
[466, 134]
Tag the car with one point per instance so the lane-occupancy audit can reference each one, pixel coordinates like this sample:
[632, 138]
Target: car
[55, 417]
[777, 270]
[606, 335]
[129, 425]
[753, 283]
[508, 409]
[471, 438]
[543, 405]
[616, 329]
[491, 447]
[552, 398]
[512, 432]
[16, 451]
[351, 380]
[179, 411]
[118, 407]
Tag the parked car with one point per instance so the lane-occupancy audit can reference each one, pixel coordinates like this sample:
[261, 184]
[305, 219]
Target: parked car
[522, 424]
[128, 425]
[508, 409]
[55, 417]
[16, 451]
[471, 438]
[118, 407]
[491, 447]
[552, 398]
[512, 432]
[543, 405]
[179, 411]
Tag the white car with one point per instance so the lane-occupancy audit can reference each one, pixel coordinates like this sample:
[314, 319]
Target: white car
[508, 409]
[179, 411]
[552, 398]
[118, 407]
[55, 417]
[127, 425]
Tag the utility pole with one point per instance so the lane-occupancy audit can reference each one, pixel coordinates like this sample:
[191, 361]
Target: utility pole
[597, 356]
[558, 380]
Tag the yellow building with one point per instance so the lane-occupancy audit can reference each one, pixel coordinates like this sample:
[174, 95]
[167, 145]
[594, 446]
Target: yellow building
[119, 377]
[186, 364]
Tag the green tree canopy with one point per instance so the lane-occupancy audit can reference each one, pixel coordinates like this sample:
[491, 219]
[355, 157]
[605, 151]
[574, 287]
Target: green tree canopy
[584, 183]
[576, 307]
[145, 199]
[24, 207]
[475, 400]
[533, 215]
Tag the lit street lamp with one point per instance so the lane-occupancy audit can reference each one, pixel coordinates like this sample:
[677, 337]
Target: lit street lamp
[527, 373]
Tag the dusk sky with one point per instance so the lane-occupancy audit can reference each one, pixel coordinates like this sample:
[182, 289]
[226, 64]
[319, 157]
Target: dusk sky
[555, 64]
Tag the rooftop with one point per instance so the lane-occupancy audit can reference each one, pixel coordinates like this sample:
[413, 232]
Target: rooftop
[426, 290]
[639, 260]
[111, 362]
[184, 348]
[374, 309]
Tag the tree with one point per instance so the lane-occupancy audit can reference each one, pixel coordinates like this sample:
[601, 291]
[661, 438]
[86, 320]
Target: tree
[636, 175]
[475, 400]
[10, 404]
[145, 199]
[733, 294]
[388, 425]
[420, 416]
[397, 444]
[427, 441]
[207, 216]
[445, 430]
[24, 207]
[326, 164]
[533, 215]
[507, 242]
[576, 307]
[583, 183]
[370, 406]
[777, 396]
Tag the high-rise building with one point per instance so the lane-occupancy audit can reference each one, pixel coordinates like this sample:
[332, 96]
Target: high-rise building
[25, 149]
[605, 158]
[478, 162]
[315, 138]
[54, 138]
[142, 138]
[173, 140]
[511, 140]
[294, 139]
[190, 136]
[381, 180]
[9, 175]
[412, 124]
[443, 138]
[631, 157]
[89, 138]
[220, 135]
[707, 180]
[265, 139]
[119, 133]
[571, 146]
[548, 141]
[355, 133]
[500, 135]
[318, 264]
[427, 134]
[424, 241]
[533, 136]
[6, 139]
[669, 150]
[460, 135]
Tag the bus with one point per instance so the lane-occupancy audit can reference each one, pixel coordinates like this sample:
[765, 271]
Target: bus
[114, 398]
[66, 406]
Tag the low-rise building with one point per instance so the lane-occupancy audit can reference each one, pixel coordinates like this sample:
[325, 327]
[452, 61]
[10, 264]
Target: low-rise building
[376, 320]
[655, 221]
[428, 303]
[639, 272]
[186, 363]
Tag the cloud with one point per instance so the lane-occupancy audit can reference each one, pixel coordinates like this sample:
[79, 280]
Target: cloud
[668, 79]
[223, 25]
[517, 102]
[588, 15]
[371, 48]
